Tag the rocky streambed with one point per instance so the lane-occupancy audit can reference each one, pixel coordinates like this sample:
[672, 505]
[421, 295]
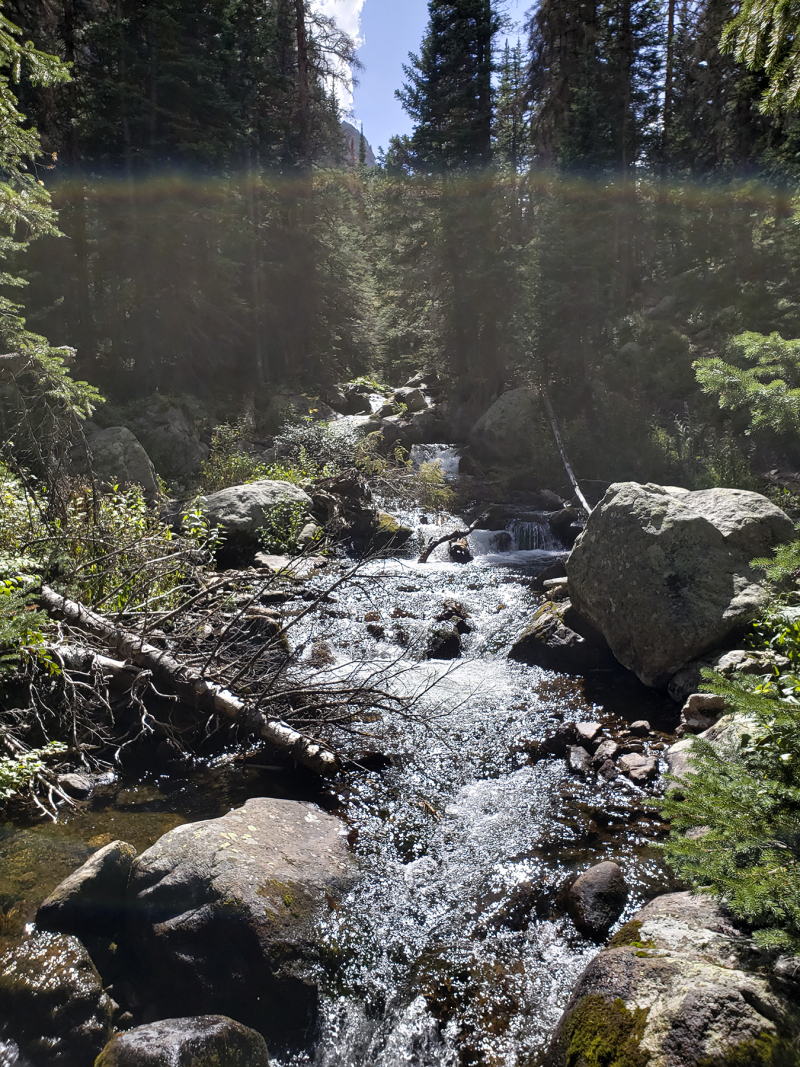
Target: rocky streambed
[423, 907]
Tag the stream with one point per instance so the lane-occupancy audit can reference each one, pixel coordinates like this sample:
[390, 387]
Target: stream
[452, 950]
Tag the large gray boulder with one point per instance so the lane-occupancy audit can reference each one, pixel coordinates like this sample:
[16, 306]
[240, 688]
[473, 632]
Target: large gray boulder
[510, 426]
[118, 458]
[52, 1001]
[171, 443]
[678, 987]
[201, 1041]
[241, 510]
[224, 913]
[665, 574]
[91, 901]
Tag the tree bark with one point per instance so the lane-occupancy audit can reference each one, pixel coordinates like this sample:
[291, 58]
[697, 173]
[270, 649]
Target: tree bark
[190, 685]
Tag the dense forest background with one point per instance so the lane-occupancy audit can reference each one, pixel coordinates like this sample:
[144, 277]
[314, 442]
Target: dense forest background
[590, 212]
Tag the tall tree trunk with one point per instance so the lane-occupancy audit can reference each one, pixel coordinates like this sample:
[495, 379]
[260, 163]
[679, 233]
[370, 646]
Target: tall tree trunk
[669, 77]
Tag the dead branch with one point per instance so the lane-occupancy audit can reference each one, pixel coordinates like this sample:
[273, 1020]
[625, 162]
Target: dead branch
[189, 684]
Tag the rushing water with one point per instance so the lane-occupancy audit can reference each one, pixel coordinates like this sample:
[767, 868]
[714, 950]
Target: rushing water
[452, 949]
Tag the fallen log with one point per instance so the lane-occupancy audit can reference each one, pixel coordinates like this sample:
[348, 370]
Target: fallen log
[457, 535]
[187, 683]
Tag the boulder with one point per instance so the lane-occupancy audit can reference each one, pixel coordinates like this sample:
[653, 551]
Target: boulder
[52, 1001]
[444, 642]
[91, 901]
[725, 735]
[223, 914]
[242, 510]
[701, 711]
[171, 443]
[640, 769]
[578, 760]
[118, 458]
[510, 427]
[597, 898]
[678, 987]
[201, 1041]
[549, 642]
[737, 661]
[606, 750]
[640, 728]
[665, 574]
[413, 399]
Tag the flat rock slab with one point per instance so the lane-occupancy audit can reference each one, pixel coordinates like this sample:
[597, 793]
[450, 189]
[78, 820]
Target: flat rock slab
[665, 574]
[678, 987]
[201, 1041]
[224, 913]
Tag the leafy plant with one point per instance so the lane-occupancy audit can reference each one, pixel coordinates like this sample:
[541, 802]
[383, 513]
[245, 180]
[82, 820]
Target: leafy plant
[282, 530]
[747, 802]
[431, 489]
[18, 773]
[228, 463]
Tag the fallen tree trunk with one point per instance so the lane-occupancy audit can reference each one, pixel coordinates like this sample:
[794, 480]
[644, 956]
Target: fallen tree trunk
[187, 683]
[563, 452]
[457, 535]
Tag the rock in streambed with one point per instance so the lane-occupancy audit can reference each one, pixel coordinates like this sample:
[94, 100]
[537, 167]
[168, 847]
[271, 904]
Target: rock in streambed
[202, 1041]
[677, 987]
[223, 914]
[665, 574]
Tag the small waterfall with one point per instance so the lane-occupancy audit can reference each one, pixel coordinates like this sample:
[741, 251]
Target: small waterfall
[532, 536]
[446, 456]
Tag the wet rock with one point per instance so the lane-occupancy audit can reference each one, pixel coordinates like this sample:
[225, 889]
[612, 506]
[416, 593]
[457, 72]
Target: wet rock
[52, 1000]
[640, 769]
[578, 760]
[608, 770]
[588, 732]
[606, 750]
[444, 642]
[201, 1041]
[356, 402]
[701, 711]
[91, 901]
[389, 533]
[561, 524]
[640, 728]
[224, 913]
[550, 643]
[687, 553]
[677, 987]
[242, 510]
[597, 899]
[77, 785]
[459, 551]
[557, 743]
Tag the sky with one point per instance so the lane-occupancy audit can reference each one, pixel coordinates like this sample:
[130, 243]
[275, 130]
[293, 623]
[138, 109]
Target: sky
[387, 30]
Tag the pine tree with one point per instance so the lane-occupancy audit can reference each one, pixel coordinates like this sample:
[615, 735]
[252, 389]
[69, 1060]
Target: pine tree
[448, 91]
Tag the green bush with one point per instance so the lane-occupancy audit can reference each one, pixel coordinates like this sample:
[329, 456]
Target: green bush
[280, 533]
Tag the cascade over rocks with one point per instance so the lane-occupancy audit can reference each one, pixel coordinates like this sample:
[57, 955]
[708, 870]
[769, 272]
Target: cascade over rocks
[223, 913]
[677, 987]
[665, 574]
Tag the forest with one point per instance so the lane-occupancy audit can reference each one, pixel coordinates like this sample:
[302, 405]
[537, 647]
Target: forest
[399, 596]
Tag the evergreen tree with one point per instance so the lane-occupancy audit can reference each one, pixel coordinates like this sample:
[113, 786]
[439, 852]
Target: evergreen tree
[448, 91]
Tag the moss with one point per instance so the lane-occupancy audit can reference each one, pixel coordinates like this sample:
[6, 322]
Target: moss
[628, 935]
[389, 533]
[767, 1050]
[602, 1034]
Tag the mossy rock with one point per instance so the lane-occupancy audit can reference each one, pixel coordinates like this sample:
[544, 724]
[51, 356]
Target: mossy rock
[201, 1041]
[599, 1033]
[389, 533]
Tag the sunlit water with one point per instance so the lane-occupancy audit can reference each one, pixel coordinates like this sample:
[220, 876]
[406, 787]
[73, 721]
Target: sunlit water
[451, 950]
